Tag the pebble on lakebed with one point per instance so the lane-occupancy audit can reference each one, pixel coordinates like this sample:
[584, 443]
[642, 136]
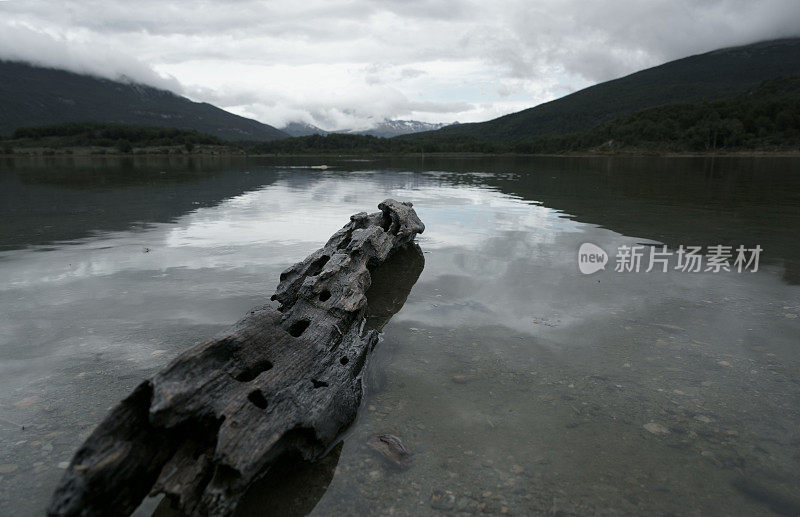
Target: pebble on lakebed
[655, 428]
[391, 448]
[463, 378]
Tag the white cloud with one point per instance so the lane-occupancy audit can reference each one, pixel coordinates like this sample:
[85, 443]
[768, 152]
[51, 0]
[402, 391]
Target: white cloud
[350, 63]
[19, 42]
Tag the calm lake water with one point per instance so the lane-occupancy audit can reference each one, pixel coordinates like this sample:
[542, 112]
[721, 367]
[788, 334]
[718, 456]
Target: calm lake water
[521, 385]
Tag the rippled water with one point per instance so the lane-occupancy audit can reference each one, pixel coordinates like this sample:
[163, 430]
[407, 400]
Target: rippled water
[521, 385]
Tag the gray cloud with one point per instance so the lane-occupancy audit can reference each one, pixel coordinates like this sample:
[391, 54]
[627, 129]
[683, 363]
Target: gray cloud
[604, 40]
[355, 62]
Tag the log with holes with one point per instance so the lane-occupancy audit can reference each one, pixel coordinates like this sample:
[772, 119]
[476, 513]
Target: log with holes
[280, 380]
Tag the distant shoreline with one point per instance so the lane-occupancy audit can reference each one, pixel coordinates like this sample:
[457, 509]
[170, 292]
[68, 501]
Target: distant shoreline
[581, 154]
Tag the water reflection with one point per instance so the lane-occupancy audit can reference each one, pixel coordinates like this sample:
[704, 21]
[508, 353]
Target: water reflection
[517, 382]
[44, 200]
[292, 489]
[391, 284]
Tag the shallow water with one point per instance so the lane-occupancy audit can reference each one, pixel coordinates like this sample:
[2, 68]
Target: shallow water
[520, 385]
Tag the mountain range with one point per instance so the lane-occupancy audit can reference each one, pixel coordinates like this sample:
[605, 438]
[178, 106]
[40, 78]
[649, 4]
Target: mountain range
[33, 96]
[39, 96]
[386, 129]
[704, 77]
[391, 128]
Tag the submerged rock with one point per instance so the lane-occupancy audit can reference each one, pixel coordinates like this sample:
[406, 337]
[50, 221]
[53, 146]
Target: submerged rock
[391, 448]
[442, 500]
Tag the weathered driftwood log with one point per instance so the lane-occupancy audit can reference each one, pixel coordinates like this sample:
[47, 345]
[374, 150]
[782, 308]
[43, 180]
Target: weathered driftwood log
[292, 487]
[286, 380]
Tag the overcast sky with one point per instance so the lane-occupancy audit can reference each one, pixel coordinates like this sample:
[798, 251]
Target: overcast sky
[346, 64]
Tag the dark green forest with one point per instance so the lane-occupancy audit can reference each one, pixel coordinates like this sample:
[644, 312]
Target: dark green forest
[121, 136]
[766, 118]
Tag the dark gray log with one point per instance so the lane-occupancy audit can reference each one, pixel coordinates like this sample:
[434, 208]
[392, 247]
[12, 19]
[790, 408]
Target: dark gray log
[292, 487]
[287, 380]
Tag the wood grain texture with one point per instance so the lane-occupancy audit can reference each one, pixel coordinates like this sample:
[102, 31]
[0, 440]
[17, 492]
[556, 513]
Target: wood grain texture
[287, 380]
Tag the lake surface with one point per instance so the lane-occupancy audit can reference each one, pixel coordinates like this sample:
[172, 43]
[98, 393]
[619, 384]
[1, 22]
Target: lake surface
[521, 385]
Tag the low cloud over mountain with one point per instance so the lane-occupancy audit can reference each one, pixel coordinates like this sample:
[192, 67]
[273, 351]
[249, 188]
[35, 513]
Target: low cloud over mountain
[343, 65]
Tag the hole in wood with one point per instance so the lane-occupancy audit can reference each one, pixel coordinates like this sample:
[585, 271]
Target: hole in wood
[319, 384]
[344, 360]
[253, 371]
[316, 267]
[298, 327]
[386, 221]
[258, 399]
[324, 295]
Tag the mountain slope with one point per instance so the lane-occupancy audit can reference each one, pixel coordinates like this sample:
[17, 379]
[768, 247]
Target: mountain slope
[33, 96]
[709, 76]
[765, 118]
